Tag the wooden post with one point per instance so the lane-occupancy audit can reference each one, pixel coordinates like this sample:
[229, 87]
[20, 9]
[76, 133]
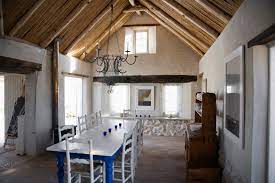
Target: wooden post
[55, 84]
[2, 33]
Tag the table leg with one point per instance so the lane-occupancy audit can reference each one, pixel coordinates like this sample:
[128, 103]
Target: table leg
[60, 167]
[109, 169]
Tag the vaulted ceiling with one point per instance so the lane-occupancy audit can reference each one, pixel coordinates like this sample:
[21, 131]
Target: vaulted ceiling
[81, 24]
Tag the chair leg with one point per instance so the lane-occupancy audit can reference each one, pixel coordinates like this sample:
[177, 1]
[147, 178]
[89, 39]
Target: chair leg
[79, 178]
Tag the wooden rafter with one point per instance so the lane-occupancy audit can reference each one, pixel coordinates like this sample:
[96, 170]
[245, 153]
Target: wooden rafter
[25, 18]
[191, 18]
[181, 29]
[173, 31]
[71, 17]
[133, 3]
[134, 9]
[92, 25]
[2, 32]
[214, 10]
[115, 26]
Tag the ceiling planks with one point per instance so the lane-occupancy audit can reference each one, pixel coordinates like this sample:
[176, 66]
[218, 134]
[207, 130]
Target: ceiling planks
[81, 24]
[72, 16]
[191, 18]
[115, 26]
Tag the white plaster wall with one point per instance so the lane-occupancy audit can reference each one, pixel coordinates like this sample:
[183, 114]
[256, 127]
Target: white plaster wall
[172, 57]
[252, 18]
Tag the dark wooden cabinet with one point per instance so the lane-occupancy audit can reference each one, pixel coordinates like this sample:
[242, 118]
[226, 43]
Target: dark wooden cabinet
[201, 140]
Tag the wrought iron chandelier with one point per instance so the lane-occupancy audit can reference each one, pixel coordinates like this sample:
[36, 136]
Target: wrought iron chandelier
[110, 65]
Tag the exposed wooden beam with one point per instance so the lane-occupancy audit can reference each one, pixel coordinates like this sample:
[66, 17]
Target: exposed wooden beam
[25, 18]
[115, 26]
[133, 3]
[134, 9]
[191, 18]
[148, 79]
[141, 25]
[92, 25]
[263, 38]
[71, 17]
[214, 10]
[2, 31]
[55, 85]
[164, 16]
[178, 35]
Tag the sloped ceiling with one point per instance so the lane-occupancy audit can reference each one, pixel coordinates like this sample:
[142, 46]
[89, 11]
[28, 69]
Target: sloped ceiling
[81, 24]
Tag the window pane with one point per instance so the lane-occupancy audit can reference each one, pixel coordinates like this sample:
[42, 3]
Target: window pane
[73, 99]
[171, 99]
[141, 42]
[119, 98]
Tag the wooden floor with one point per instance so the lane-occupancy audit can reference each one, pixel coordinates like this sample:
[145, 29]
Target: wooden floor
[162, 161]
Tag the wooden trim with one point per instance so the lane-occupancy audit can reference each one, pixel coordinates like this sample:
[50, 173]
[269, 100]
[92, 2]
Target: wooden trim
[214, 10]
[98, 18]
[164, 16]
[25, 18]
[141, 25]
[178, 35]
[148, 79]
[71, 17]
[265, 37]
[116, 25]
[2, 30]
[75, 74]
[191, 18]
[55, 84]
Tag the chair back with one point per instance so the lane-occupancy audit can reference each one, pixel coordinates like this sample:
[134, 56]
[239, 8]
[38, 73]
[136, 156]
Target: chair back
[91, 120]
[99, 117]
[127, 151]
[82, 124]
[129, 113]
[71, 161]
[66, 131]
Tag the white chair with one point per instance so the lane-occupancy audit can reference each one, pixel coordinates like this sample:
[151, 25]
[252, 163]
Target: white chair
[83, 168]
[129, 113]
[91, 120]
[82, 124]
[99, 117]
[123, 168]
[66, 131]
[140, 136]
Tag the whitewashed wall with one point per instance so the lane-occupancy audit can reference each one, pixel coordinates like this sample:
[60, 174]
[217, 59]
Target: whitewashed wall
[253, 17]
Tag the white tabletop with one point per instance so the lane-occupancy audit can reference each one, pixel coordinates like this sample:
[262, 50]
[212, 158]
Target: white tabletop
[102, 145]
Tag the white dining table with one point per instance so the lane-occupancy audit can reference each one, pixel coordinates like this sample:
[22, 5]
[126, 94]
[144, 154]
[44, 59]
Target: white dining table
[105, 148]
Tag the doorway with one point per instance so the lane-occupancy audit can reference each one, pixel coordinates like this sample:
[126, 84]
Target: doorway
[73, 99]
[271, 140]
[2, 113]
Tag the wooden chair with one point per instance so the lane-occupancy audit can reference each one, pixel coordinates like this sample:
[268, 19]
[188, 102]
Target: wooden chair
[82, 124]
[128, 112]
[83, 168]
[140, 136]
[66, 131]
[123, 168]
[91, 120]
[99, 117]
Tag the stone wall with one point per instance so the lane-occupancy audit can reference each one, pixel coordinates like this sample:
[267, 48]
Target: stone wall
[164, 127]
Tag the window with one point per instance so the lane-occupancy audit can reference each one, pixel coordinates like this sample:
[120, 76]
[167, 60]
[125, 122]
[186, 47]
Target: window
[171, 99]
[140, 40]
[119, 99]
[73, 99]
